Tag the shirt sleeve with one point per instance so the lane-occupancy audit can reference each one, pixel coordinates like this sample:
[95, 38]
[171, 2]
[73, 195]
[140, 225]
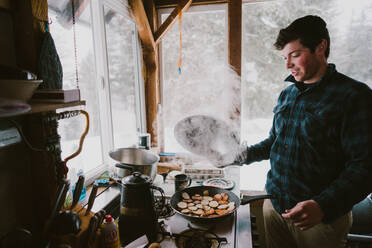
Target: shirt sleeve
[257, 152]
[261, 150]
[354, 182]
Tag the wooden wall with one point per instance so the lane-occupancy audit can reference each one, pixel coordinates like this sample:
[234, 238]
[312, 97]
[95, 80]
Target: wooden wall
[15, 186]
[27, 178]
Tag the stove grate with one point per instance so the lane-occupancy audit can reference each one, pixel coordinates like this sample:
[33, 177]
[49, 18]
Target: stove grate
[195, 238]
[165, 211]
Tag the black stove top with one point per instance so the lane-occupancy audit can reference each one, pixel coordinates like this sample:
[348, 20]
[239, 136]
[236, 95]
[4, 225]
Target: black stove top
[163, 211]
[194, 237]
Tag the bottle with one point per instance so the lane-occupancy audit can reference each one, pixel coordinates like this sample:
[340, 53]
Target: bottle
[72, 178]
[110, 233]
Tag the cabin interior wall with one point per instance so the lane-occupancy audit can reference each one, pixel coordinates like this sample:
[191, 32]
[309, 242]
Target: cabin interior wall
[27, 178]
[7, 50]
[15, 185]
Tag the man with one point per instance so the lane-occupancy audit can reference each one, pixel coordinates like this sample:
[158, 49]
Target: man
[320, 145]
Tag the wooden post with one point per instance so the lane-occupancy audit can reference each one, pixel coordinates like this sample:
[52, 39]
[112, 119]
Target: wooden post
[150, 70]
[234, 49]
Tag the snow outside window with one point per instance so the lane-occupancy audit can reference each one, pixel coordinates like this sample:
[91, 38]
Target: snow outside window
[263, 69]
[121, 54]
[71, 129]
[109, 81]
[199, 88]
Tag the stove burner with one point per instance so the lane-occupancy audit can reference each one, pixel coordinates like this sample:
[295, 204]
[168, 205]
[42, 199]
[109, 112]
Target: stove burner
[163, 212]
[195, 238]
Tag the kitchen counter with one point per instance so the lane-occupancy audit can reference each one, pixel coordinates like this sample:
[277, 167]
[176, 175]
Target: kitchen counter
[240, 222]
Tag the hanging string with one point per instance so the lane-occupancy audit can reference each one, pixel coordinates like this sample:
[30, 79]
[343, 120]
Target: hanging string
[82, 138]
[75, 46]
[180, 58]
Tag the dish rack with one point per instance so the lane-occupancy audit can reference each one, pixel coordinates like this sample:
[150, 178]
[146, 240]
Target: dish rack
[201, 174]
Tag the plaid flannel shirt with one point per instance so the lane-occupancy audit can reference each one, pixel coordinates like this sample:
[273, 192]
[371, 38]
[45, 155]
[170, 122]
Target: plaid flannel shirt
[320, 145]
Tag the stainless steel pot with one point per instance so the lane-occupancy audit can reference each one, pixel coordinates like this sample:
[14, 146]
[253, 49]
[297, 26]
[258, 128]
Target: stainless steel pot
[135, 159]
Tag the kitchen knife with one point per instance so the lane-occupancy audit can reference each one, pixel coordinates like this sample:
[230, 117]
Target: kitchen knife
[99, 215]
[103, 215]
[61, 195]
[92, 197]
[91, 232]
[64, 193]
[57, 204]
[78, 188]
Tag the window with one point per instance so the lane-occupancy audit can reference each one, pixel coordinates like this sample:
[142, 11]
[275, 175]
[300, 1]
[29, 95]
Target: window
[109, 81]
[123, 78]
[199, 88]
[263, 70]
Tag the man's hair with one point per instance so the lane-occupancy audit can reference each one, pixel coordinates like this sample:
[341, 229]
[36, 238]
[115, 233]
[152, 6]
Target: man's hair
[310, 30]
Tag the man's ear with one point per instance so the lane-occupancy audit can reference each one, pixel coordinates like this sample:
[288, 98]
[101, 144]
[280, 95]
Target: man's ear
[322, 47]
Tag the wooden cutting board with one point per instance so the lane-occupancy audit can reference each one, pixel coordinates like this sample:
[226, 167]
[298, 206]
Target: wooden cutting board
[168, 167]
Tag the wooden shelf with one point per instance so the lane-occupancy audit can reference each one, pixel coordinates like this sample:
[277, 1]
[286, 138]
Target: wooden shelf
[45, 107]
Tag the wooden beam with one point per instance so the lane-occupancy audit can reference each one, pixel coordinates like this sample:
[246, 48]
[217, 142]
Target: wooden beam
[143, 26]
[153, 94]
[235, 34]
[159, 4]
[151, 13]
[235, 49]
[150, 64]
[183, 5]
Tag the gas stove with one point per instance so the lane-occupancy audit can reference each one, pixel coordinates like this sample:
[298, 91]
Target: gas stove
[234, 231]
[194, 237]
[231, 232]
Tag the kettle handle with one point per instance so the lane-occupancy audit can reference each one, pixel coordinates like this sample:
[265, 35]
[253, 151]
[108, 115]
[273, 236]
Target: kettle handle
[162, 194]
[124, 166]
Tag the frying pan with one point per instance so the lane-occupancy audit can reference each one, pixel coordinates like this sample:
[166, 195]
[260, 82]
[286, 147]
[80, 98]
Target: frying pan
[177, 197]
[207, 136]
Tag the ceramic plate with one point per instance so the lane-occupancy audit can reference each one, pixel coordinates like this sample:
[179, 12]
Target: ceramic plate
[10, 108]
[222, 183]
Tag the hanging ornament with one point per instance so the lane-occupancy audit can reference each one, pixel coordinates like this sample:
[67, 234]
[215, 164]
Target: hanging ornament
[75, 45]
[180, 58]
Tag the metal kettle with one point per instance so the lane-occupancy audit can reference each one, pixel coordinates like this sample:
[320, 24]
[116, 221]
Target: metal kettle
[137, 213]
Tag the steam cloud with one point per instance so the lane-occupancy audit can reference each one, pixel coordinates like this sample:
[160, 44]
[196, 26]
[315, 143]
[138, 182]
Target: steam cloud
[210, 93]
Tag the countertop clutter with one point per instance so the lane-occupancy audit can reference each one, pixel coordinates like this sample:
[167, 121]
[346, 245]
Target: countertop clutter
[173, 229]
[176, 231]
[85, 237]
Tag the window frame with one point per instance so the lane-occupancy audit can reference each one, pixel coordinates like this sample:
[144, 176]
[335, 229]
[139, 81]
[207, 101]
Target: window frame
[99, 33]
[102, 87]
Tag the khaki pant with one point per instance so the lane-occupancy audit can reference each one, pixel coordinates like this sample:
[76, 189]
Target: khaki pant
[281, 233]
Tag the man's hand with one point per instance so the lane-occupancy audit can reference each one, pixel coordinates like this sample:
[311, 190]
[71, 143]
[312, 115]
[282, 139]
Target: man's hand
[305, 214]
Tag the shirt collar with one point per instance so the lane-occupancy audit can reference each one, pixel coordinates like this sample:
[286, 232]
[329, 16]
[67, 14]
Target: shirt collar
[331, 69]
